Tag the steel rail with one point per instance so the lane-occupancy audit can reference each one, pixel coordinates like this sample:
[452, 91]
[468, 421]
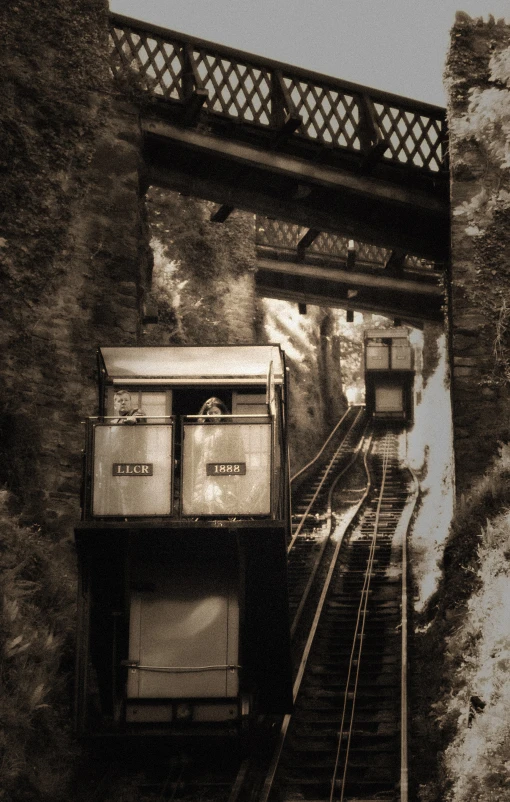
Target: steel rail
[319, 453]
[244, 768]
[357, 643]
[269, 780]
[318, 561]
[319, 488]
[404, 526]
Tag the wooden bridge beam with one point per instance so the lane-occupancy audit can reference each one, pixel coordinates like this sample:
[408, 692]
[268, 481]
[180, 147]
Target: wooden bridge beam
[306, 284]
[295, 168]
[267, 182]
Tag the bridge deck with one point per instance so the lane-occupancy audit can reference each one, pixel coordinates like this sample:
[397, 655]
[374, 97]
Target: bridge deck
[314, 151]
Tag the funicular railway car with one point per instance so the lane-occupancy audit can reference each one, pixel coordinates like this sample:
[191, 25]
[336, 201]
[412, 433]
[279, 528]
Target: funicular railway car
[389, 374]
[183, 613]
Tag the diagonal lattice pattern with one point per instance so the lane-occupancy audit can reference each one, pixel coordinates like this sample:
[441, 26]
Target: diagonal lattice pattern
[411, 137]
[235, 89]
[265, 93]
[286, 236]
[328, 115]
[157, 64]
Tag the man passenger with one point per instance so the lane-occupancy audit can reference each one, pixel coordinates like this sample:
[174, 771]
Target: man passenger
[123, 406]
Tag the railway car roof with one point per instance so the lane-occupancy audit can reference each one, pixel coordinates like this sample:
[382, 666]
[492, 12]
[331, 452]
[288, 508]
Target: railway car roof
[232, 364]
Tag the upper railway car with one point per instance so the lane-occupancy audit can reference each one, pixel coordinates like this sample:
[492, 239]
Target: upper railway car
[183, 611]
[389, 374]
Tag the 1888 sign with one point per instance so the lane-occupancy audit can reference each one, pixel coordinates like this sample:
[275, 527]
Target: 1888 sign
[226, 468]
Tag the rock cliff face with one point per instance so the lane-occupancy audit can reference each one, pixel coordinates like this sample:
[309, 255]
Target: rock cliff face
[77, 260]
[73, 243]
[478, 81]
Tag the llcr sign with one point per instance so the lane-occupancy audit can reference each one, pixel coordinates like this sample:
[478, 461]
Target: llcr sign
[132, 469]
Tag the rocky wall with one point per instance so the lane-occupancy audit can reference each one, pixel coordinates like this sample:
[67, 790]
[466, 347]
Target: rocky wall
[478, 82]
[73, 243]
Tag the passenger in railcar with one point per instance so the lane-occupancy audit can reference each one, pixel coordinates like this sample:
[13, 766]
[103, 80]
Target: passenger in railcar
[216, 444]
[213, 407]
[123, 407]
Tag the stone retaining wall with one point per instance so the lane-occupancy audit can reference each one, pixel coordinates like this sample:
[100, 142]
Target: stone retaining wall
[478, 82]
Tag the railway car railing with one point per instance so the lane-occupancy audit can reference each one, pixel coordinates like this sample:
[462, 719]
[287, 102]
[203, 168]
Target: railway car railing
[261, 93]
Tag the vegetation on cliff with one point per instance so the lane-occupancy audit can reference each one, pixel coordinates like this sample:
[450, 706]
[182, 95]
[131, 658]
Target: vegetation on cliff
[37, 618]
[461, 732]
[52, 57]
[478, 81]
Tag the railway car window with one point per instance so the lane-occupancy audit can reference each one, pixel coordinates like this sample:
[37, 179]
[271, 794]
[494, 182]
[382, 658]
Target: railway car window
[156, 404]
[153, 403]
[247, 403]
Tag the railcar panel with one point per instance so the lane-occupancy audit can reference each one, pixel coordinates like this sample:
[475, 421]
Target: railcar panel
[226, 469]
[184, 623]
[133, 470]
[377, 356]
[389, 399]
[401, 355]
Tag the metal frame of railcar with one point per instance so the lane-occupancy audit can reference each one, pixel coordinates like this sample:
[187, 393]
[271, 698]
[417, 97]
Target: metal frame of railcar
[387, 376]
[107, 549]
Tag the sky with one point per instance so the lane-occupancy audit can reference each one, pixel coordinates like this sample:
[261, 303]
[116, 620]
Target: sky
[398, 46]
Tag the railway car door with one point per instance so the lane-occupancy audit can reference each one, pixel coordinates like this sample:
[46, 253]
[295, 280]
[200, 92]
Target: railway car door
[183, 635]
[389, 398]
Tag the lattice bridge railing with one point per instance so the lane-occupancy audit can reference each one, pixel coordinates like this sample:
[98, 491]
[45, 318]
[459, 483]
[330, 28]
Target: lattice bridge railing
[269, 95]
[282, 236]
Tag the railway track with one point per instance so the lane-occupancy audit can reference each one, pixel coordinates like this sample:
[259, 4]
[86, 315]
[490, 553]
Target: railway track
[345, 739]
[311, 504]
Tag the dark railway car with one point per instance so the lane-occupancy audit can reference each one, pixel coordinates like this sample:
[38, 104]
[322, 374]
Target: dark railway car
[183, 614]
[389, 374]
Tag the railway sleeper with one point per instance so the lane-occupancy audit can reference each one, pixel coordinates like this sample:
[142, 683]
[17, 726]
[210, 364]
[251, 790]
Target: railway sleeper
[342, 601]
[354, 581]
[312, 751]
[342, 632]
[332, 691]
[374, 642]
[329, 720]
[360, 741]
[325, 707]
[377, 779]
[322, 794]
[335, 687]
[345, 616]
[339, 626]
[336, 659]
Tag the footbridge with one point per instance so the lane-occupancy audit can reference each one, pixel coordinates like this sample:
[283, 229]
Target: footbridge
[350, 184]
